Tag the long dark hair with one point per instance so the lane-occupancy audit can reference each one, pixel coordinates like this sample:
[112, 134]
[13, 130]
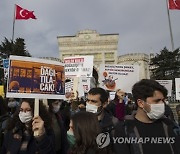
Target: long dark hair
[86, 128]
[43, 113]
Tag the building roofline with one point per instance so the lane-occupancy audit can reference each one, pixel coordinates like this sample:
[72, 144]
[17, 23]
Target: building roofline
[76, 35]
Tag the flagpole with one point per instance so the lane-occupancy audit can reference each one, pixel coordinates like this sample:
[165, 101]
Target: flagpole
[170, 29]
[13, 24]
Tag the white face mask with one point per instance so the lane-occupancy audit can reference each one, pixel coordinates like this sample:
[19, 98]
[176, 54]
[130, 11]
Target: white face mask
[25, 117]
[91, 108]
[56, 108]
[156, 112]
[12, 104]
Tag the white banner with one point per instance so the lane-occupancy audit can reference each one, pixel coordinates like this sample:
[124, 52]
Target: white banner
[177, 83]
[81, 66]
[5, 66]
[167, 84]
[113, 77]
[83, 86]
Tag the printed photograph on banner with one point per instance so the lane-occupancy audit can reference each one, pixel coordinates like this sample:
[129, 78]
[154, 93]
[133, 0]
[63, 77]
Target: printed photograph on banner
[5, 63]
[68, 88]
[177, 84]
[167, 84]
[5, 66]
[86, 84]
[113, 77]
[35, 78]
[81, 66]
[82, 87]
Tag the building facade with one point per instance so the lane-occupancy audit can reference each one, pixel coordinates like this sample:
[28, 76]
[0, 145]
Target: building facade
[104, 48]
[88, 42]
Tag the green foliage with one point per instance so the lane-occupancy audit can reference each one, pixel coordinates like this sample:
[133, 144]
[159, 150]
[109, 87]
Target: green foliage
[17, 47]
[166, 65]
[7, 48]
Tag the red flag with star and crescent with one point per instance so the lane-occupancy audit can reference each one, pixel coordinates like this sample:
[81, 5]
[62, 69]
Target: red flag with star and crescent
[23, 14]
[174, 4]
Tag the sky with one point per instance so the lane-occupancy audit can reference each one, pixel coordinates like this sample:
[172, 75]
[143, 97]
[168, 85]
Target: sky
[142, 25]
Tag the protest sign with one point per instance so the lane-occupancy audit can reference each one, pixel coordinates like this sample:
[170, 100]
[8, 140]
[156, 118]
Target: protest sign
[75, 68]
[81, 66]
[177, 83]
[35, 78]
[83, 86]
[167, 84]
[5, 66]
[86, 84]
[5, 63]
[113, 77]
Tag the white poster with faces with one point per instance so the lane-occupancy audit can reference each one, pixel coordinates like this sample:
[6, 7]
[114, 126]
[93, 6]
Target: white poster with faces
[177, 83]
[167, 84]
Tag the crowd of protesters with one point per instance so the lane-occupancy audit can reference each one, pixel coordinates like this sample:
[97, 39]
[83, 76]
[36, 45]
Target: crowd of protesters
[92, 125]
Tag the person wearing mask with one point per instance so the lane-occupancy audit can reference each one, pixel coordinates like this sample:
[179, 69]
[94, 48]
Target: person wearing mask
[19, 138]
[58, 126]
[117, 106]
[84, 128]
[3, 106]
[3, 119]
[168, 111]
[97, 100]
[148, 131]
[12, 103]
[65, 114]
[8, 110]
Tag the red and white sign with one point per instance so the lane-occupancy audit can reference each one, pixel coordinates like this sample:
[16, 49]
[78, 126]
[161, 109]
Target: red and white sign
[79, 66]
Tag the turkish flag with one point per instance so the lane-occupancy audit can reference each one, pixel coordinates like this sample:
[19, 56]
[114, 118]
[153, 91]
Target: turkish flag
[23, 13]
[174, 4]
